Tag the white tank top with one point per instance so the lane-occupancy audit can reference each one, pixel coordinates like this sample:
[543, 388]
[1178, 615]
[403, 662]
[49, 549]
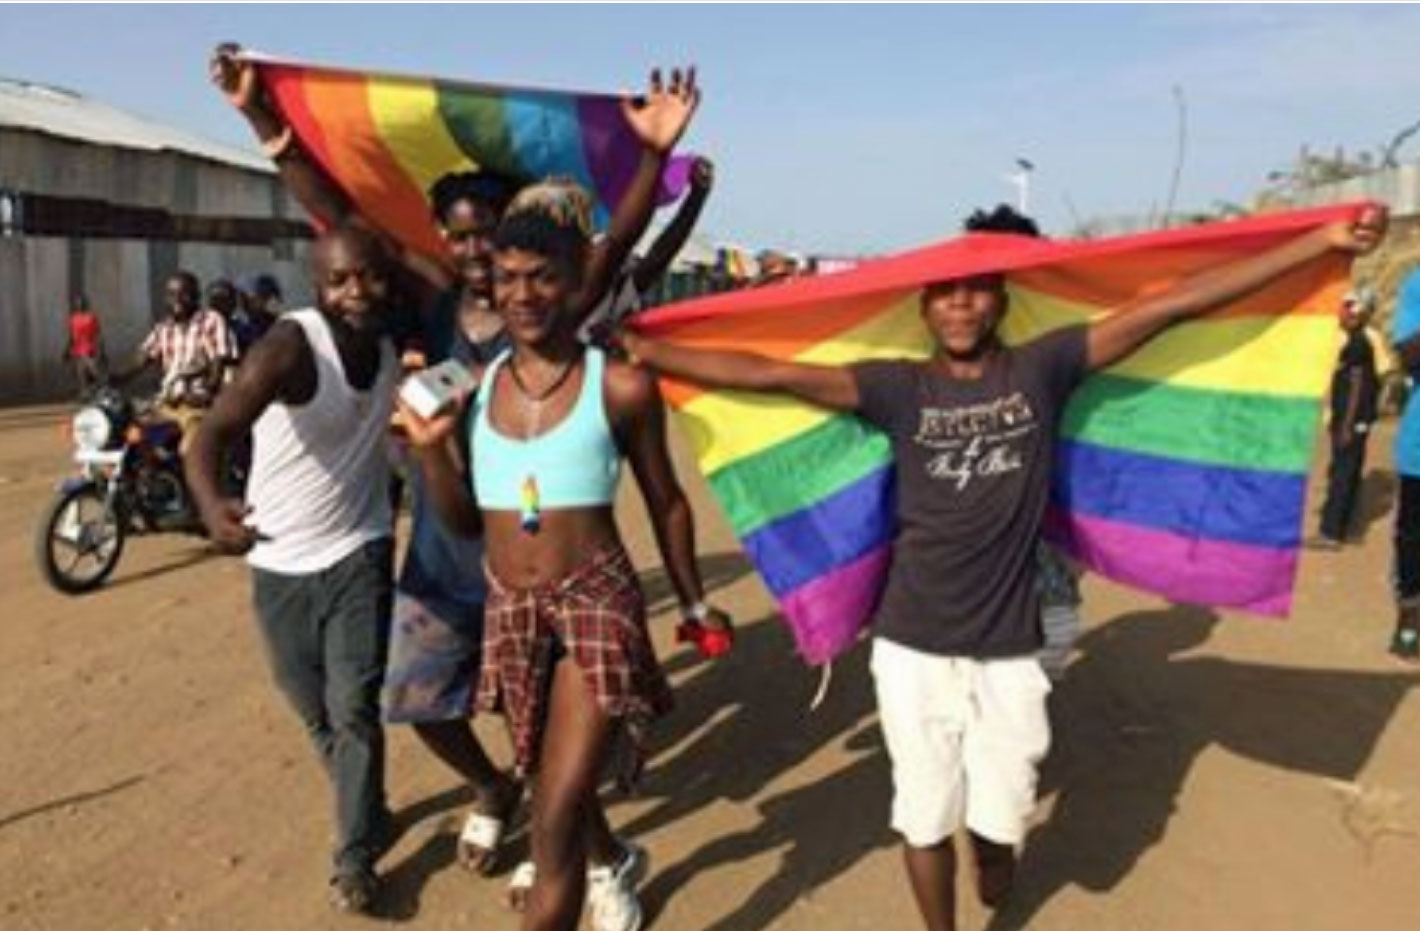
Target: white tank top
[319, 485]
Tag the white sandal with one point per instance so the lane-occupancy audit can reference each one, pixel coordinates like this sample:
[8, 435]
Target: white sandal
[634, 864]
[484, 833]
[521, 883]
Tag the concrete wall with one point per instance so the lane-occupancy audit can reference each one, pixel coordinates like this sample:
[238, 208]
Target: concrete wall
[123, 278]
[1398, 188]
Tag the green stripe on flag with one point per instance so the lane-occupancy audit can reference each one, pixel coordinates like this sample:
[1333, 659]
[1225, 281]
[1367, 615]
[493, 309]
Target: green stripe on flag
[478, 123]
[1247, 431]
[798, 472]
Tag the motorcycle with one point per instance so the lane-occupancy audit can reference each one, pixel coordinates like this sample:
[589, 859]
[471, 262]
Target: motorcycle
[129, 482]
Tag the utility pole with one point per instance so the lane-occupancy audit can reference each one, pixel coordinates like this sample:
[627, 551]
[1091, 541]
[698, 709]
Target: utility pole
[1178, 155]
[1074, 214]
[1021, 179]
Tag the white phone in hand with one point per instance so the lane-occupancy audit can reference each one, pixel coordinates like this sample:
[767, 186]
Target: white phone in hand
[437, 390]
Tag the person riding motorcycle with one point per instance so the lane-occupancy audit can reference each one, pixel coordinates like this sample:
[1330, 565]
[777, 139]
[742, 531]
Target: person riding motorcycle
[194, 346]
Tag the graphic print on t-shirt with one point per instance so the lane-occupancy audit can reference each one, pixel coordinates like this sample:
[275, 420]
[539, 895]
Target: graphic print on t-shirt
[976, 441]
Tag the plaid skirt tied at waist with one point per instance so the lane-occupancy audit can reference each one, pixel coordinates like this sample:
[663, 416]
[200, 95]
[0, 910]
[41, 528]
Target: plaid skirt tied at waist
[597, 616]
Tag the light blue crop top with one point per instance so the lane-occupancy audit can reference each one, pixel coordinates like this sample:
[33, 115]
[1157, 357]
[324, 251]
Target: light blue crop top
[575, 464]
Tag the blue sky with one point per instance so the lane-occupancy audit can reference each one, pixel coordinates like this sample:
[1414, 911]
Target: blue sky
[838, 128]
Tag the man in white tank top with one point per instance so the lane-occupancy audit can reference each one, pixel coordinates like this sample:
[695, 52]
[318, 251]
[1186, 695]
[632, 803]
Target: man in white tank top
[317, 392]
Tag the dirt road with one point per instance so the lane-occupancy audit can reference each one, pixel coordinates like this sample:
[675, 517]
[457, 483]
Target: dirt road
[1209, 772]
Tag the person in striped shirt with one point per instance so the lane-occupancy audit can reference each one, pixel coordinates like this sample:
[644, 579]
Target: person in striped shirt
[192, 345]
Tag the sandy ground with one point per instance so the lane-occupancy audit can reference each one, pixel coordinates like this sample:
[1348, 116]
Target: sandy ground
[1209, 771]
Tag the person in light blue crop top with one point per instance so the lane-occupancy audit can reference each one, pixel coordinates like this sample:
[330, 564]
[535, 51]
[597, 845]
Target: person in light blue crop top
[566, 651]
[576, 464]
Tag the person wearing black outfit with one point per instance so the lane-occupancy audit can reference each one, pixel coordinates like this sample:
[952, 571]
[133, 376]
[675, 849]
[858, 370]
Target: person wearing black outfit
[1354, 390]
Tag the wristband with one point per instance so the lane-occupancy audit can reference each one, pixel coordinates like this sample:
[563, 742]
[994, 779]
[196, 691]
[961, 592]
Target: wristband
[709, 642]
[279, 146]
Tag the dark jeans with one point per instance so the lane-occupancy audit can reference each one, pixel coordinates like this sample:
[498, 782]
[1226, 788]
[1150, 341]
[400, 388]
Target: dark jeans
[327, 635]
[90, 373]
[1343, 486]
[1407, 539]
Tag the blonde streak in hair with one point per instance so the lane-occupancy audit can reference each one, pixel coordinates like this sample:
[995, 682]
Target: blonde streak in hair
[561, 200]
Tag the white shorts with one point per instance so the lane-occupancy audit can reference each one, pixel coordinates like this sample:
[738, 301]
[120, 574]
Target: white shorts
[965, 736]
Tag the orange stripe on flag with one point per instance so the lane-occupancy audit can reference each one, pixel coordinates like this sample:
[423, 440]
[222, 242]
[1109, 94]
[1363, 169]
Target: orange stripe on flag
[288, 86]
[364, 167]
[1110, 281]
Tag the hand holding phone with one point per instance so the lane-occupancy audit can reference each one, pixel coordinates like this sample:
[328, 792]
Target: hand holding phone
[437, 390]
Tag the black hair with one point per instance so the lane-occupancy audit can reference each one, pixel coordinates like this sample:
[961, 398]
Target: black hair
[538, 232]
[1003, 219]
[264, 285]
[222, 295]
[189, 281]
[359, 236]
[484, 187]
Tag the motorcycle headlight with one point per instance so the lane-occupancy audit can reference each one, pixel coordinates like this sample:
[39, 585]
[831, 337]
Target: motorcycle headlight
[91, 428]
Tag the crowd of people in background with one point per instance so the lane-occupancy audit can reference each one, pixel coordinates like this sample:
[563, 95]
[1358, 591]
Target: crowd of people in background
[516, 595]
[199, 337]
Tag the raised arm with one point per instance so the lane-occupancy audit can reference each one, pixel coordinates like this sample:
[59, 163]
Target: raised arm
[1132, 325]
[827, 386]
[672, 239]
[270, 368]
[236, 78]
[659, 121]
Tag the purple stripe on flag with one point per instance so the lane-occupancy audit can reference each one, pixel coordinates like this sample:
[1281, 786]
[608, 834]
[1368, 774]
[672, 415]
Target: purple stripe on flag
[828, 613]
[612, 152]
[1190, 570]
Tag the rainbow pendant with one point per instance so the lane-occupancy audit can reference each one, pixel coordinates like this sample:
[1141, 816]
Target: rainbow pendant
[531, 517]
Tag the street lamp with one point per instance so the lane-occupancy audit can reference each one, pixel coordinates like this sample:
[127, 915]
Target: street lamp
[1021, 179]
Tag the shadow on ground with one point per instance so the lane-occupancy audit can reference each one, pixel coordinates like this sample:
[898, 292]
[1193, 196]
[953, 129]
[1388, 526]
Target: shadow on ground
[1133, 714]
[758, 700]
[1374, 502]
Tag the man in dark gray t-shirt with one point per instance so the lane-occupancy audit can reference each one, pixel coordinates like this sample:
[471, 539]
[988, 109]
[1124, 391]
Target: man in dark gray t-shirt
[960, 693]
[973, 473]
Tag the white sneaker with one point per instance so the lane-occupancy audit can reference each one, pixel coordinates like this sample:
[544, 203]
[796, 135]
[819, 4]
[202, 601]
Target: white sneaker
[611, 891]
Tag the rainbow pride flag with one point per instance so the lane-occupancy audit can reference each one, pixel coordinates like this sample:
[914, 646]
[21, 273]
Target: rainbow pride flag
[1181, 470]
[383, 139]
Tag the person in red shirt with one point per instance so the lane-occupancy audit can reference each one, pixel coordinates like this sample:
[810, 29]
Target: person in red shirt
[85, 347]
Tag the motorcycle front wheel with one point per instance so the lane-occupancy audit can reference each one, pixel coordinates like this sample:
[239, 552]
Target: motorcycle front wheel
[78, 540]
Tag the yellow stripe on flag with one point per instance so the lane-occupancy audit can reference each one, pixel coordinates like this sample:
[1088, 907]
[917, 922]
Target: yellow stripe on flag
[744, 424]
[406, 113]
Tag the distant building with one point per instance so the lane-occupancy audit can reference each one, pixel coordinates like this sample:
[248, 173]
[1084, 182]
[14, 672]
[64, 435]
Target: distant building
[97, 200]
